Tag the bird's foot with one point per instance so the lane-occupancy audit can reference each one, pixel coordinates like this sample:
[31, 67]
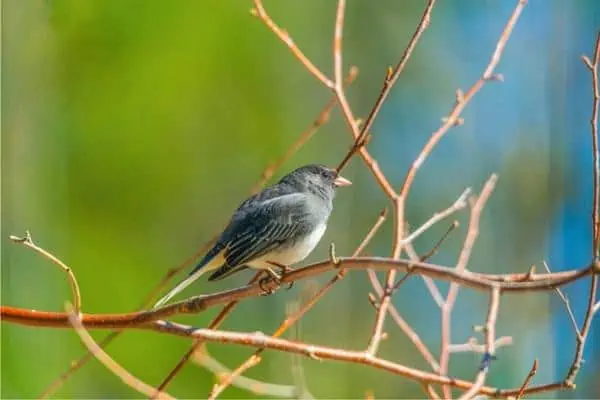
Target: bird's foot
[261, 283]
[283, 269]
[272, 276]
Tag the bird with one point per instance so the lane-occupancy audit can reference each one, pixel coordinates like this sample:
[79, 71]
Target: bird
[277, 227]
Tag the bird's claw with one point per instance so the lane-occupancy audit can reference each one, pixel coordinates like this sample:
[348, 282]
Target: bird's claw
[262, 283]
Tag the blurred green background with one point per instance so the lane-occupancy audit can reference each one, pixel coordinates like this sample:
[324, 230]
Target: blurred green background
[131, 129]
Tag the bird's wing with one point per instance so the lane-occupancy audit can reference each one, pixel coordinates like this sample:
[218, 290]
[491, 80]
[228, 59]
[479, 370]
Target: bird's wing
[261, 228]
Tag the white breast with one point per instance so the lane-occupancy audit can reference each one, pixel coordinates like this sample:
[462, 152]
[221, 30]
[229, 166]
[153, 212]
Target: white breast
[296, 253]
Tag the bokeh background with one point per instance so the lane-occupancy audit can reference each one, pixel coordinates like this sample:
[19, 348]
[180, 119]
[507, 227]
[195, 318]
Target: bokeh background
[131, 129]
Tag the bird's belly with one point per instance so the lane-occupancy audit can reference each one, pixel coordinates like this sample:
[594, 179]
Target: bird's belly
[299, 250]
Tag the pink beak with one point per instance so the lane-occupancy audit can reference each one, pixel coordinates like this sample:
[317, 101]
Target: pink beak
[341, 181]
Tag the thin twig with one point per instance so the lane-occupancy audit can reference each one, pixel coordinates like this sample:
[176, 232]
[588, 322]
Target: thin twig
[459, 204]
[567, 304]
[593, 67]
[109, 363]
[228, 379]
[403, 325]
[251, 385]
[392, 76]
[434, 291]
[321, 119]
[462, 102]
[587, 320]
[473, 346]
[260, 12]
[27, 241]
[528, 379]
[439, 243]
[461, 266]
[490, 345]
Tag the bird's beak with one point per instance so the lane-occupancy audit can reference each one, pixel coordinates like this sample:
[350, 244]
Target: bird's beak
[341, 181]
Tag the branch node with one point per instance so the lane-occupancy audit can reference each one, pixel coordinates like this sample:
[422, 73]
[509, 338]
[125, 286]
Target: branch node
[332, 256]
[487, 361]
[596, 266]
[587, 62]
[312, 354]
[496, 77]
[460, 96]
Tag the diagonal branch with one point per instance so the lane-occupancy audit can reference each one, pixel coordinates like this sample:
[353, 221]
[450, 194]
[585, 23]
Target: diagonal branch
[111, 364]
[260, 12]
[490, 345]
[27, 241]
[589, 313]
[461, 266]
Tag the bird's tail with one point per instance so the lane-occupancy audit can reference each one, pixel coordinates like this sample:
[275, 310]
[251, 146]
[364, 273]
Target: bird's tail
[214, 258]
[182, 285]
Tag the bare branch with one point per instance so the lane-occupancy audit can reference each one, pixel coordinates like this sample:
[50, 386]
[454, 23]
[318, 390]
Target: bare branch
[463, 100]
[490, 345]
[260, 12]
[321, 119]
[473, 346]
[567, 304]
[589, 314]
[27, 241]
[459, 204]
[109, 363]
[461, 266]
[251, 385]
[528, 379]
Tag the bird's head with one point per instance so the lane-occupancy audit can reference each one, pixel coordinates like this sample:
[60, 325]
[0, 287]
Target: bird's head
[317, 179]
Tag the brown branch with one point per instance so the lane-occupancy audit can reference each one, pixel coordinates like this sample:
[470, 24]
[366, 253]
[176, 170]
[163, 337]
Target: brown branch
[435, 293]
[490, 345]
[567, 304]
[111, 364]
[392, 77]
[228, 379]
[259, 11]
[528, 379]
[27, 241]
[589, 314]
[260, 340]
[351, 121]
[461, 266]
[321, 119]
[593, 67]
[405, 326]
[433, 251]
[196, 304]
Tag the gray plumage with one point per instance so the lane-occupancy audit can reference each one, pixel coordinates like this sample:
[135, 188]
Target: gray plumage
[281, 224]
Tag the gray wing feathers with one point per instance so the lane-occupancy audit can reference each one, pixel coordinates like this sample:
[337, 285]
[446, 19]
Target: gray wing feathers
[260, 230]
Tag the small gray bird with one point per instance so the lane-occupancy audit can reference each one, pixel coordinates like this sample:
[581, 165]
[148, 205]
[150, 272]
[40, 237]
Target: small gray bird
[276, 227]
